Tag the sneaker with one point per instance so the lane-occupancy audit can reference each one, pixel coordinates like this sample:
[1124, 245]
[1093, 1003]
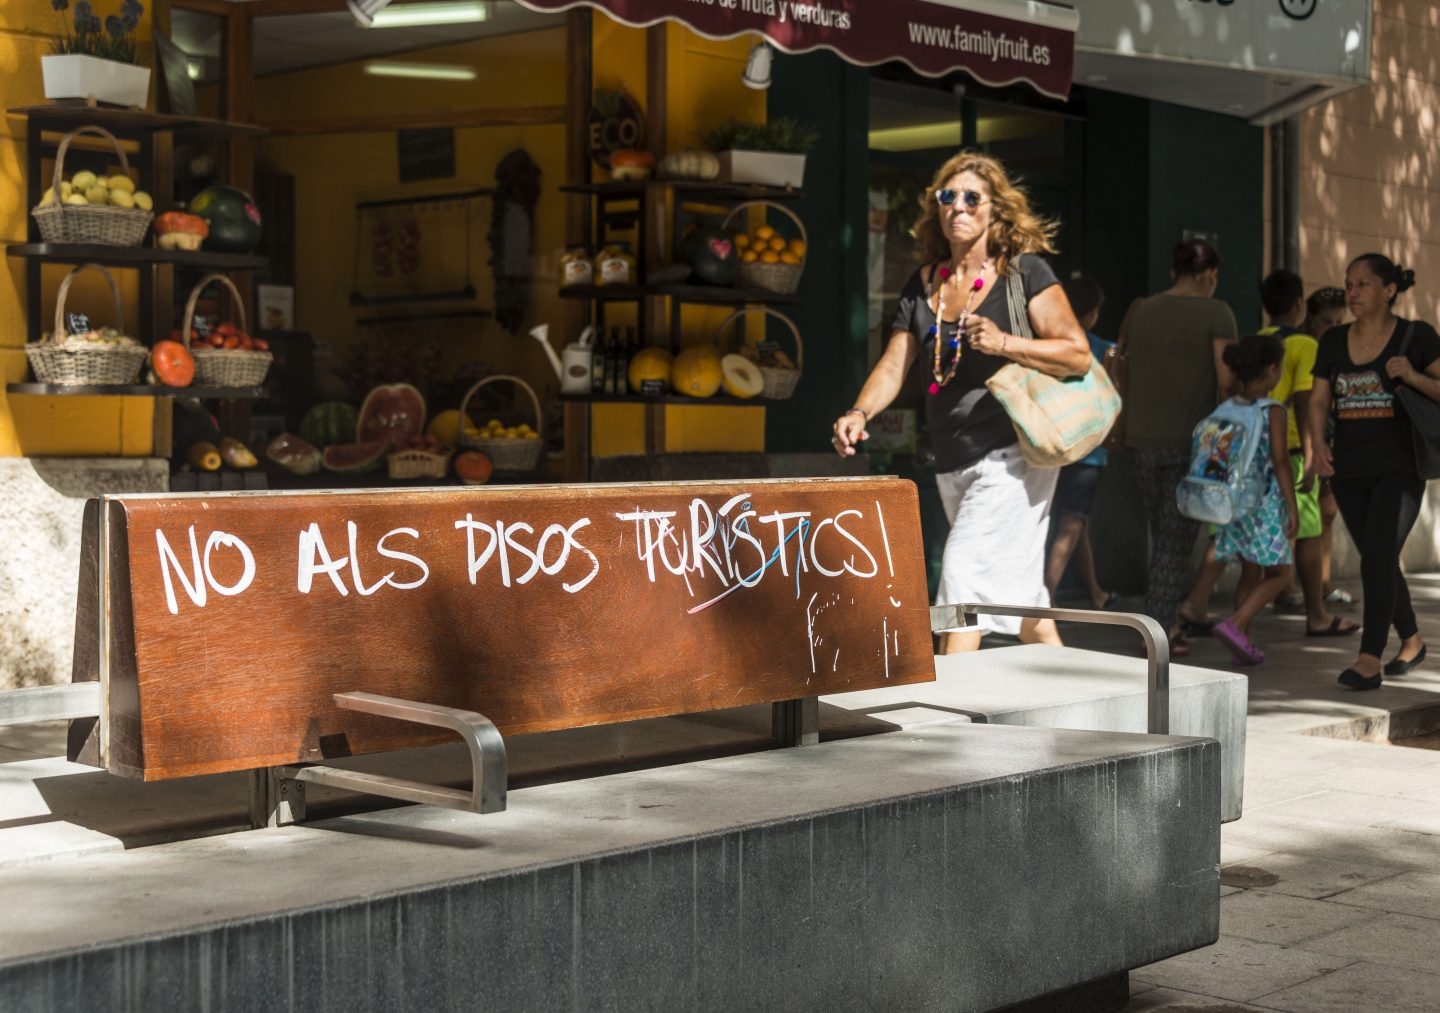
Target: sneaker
[1291, 603]
[1339, 596]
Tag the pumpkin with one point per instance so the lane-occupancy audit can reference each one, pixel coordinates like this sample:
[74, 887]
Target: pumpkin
[704, 165]
[631, 164]
[177, 230]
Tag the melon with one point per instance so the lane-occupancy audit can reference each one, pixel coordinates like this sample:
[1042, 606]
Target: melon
[295, 455]
[649, 364]
[355, 458]
[740, 377]
[329, 422]
[696, 371]
[446, 427]
[233, 218]
[711, 254]
[393, 412]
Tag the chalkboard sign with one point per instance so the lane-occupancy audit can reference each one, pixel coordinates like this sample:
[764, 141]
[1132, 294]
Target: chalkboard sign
[426, 154]
[174, 66]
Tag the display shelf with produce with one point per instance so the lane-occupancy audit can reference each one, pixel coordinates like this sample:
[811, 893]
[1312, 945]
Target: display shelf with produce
[47, 129]
[655, 218]
[139, 390]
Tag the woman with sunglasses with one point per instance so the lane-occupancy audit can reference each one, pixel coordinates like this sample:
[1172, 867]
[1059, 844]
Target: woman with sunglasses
[976, 228]
[1357, 370]
[1175, 348]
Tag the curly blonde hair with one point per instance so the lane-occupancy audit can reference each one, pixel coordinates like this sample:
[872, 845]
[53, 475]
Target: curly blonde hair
[1014, 227]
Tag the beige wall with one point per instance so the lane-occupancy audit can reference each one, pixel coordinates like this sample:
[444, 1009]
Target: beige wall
[1370, 180]
[1370, 161]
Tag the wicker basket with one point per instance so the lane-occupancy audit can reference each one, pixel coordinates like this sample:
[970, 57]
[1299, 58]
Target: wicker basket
[224, 367]
[779, 383]
[60, 360]
[99, 223]
[414, 463]
[780, 278]
[511, 454]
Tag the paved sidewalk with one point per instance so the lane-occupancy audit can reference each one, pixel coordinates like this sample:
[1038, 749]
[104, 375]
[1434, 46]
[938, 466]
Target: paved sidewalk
[1331, 895]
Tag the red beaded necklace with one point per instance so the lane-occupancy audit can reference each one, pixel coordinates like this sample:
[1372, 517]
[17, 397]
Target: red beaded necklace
[946, 374]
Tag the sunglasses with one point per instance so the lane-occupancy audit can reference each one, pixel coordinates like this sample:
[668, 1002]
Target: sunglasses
[970, 199]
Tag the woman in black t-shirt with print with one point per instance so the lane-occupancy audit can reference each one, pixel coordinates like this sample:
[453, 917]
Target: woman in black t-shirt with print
[1357, 369]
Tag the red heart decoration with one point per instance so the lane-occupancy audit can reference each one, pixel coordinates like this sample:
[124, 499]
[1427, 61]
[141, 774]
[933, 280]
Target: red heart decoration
[722, 248]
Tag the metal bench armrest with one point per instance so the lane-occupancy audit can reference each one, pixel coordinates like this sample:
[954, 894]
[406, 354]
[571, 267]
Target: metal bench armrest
[947, 618]
[489, 767]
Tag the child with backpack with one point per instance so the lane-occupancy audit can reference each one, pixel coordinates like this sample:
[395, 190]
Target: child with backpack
[1240, 481]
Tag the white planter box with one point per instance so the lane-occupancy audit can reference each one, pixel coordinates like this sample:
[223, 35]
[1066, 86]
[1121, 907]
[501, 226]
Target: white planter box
[767, 168]
[73, 76]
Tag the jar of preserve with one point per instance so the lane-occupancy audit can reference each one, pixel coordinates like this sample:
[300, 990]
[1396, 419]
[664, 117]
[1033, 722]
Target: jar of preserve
[576, 267]
[615, 265]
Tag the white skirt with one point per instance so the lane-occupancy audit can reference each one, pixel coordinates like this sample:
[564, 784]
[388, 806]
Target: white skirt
[999, 510]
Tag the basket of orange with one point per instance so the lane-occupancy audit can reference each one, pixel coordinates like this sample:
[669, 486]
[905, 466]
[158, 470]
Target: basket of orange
[510, 448]
[768, 259]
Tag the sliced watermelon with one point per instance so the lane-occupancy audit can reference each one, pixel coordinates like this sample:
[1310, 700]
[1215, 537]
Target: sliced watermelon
[355, 458]
[393, 412]
[294, 454]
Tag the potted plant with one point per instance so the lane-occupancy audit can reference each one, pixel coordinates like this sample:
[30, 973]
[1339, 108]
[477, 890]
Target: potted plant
[95, 58]
[771, 153]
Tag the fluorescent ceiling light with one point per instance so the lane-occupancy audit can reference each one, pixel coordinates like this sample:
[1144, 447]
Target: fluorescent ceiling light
[433, 71]
[416, 15]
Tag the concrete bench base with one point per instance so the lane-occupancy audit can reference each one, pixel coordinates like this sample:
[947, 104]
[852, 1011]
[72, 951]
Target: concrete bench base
[1061, 687]
[950, 867]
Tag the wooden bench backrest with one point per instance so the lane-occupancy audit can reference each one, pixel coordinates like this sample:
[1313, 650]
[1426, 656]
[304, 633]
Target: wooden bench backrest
[222, 624]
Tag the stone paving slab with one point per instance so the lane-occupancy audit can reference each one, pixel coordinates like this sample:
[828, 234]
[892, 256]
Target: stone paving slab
[1360, 986]
[1332, 900]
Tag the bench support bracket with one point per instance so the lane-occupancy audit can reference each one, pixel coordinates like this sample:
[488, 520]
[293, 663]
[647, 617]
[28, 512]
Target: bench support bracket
[796, 722]
[278, 793]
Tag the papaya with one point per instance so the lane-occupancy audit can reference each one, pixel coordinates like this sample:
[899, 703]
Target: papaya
[204, 455]
[236, 454]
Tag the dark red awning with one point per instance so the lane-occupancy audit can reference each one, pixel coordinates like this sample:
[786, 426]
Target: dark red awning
[998, 42]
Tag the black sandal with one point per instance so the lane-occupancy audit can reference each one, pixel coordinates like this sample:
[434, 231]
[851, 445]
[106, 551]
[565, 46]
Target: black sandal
[1195, 628]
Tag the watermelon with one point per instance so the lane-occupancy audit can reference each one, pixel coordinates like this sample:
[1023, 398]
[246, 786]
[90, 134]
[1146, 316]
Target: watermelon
[355, 458]
[329, 422]
[233, 218]
[294, 454]
[393, 412]
[711, 254]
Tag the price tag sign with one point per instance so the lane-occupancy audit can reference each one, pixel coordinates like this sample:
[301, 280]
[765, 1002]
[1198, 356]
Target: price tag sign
[77, 323]
[653, 388]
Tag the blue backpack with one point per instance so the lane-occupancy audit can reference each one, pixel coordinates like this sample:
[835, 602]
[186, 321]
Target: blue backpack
[1221, 486]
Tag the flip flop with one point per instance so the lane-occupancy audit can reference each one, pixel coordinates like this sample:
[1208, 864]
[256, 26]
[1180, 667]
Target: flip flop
[1237, 643]
[1337, 628]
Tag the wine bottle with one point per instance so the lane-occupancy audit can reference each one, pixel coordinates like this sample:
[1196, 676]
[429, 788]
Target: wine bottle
[597, 368]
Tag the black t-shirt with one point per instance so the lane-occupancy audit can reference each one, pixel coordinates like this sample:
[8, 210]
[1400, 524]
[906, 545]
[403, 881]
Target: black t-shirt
[1372, 434]
[966, 422]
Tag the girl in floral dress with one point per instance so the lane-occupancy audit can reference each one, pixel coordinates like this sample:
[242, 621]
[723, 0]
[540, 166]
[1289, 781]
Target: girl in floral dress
[1260, 539]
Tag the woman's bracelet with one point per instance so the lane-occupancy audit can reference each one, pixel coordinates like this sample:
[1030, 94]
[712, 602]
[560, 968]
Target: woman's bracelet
[864, 415]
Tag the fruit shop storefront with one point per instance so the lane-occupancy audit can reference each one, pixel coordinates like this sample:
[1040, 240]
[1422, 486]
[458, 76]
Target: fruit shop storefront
[586, 230]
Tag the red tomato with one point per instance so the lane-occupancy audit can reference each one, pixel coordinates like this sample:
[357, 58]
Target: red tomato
[473, 468]
[230, 341]
[261, 345]
[173, 364]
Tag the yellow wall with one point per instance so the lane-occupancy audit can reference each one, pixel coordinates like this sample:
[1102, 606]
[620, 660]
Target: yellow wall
[48, 426]
[332, 172]
[703, 88]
